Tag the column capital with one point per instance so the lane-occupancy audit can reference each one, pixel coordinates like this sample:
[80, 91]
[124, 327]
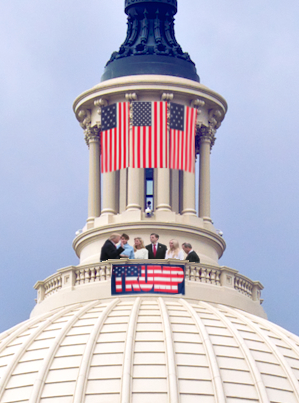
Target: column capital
[92, 134]
[205, 135]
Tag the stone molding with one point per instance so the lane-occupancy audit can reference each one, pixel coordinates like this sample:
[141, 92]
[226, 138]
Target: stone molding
[215, 118]
[84, 118]
[167, 96]
[131, 96]
[149, 83]
[100, 102]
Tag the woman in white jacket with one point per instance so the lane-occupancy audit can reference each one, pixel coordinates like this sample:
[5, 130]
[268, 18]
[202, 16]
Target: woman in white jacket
[139, 249]
[174, 251]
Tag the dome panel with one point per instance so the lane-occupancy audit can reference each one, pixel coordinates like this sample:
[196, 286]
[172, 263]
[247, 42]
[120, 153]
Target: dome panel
[148, 348]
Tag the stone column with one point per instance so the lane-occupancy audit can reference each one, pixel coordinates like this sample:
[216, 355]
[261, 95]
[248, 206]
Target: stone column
[92, 138]
[189, 193]
[123, 186]
[163, 190]
[134, 196]
[110, 193]
[207, 139]
[175, 190]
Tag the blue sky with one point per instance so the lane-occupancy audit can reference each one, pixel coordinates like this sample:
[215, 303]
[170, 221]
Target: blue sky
[51, 51]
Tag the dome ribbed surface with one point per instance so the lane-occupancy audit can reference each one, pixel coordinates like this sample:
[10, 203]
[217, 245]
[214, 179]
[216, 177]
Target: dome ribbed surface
[148, 350]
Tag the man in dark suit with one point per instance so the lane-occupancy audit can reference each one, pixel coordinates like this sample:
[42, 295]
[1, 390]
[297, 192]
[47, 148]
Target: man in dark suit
[110, 250]
[155, 249]
[191, 255]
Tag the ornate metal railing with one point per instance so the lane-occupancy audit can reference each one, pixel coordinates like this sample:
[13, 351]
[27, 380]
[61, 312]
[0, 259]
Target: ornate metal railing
[77, 276]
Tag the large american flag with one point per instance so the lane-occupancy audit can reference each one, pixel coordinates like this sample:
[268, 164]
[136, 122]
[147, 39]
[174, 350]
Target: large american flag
[115, 136]
[149, 142]
[147, 278]
[182, 137]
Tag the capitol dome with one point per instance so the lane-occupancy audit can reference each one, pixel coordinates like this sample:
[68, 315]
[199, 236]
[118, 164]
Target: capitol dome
[148, 348]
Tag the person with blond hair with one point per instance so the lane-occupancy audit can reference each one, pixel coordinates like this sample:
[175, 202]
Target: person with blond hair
[139, 249]
[174, 251]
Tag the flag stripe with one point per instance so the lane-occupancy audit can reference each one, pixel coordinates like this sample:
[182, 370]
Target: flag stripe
[144, 147]
[161, 134]
[155, 117]
[138, 147]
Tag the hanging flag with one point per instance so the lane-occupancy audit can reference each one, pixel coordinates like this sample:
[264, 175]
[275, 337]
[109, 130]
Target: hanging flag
[182, 137]
[115, 136]
[149, 142]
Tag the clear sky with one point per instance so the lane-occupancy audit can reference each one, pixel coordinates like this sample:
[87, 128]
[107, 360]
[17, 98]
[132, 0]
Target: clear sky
[53, 50]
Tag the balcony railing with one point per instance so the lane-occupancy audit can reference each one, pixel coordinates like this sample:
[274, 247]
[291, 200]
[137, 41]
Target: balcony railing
[77, 276]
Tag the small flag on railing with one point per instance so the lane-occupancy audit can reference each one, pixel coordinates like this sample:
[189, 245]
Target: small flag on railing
[115, 136]
[182, 137]
[149, 142]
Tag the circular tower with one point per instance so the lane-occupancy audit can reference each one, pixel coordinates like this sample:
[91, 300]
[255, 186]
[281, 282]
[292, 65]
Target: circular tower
[138, 331]
[155, 160]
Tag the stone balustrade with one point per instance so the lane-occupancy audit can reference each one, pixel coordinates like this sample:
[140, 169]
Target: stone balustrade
[77, 276]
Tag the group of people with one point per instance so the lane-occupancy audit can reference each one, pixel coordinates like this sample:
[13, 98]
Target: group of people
[117, 247]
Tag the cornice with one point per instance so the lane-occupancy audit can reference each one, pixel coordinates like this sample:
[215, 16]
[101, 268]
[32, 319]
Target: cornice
[149, 83]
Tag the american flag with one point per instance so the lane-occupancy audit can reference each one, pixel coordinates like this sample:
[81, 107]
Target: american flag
[149, 144]
[182, 137]
[115, 136]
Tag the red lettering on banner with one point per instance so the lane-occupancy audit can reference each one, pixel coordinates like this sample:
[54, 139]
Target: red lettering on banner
[132, 282]
[167, 279]
[118, 284]
[148, 278]
[147, 281]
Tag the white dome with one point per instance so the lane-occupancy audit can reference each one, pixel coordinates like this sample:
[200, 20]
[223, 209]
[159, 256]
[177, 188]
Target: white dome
[148, 349]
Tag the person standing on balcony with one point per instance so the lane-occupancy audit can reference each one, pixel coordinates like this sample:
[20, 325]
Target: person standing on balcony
[191, 255]
[128, 249]
[174, 251]
[139, 249]
[109, 249]
[155, 249]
